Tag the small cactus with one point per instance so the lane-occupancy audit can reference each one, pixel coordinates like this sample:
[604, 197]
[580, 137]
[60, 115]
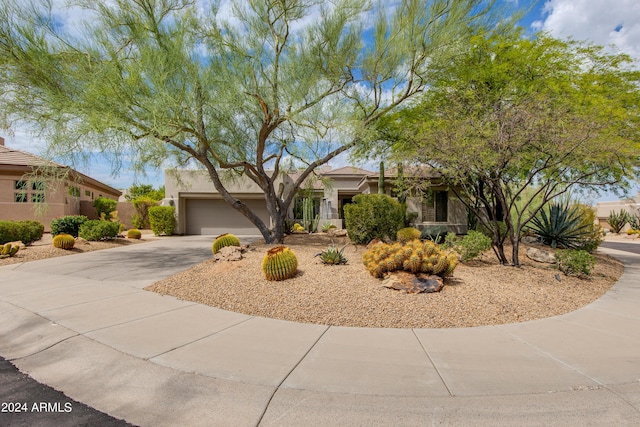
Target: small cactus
[333, 256]
[415, 257]
[280, 263]
[8, 250]
[134, 233]
[224, 240]
[64, 241]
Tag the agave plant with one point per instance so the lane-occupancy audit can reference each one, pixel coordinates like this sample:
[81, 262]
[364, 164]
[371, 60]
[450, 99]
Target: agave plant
[333, 256]
[560, 225]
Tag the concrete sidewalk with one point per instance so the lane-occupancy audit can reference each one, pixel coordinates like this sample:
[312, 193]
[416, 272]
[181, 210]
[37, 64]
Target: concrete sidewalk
[83, 325]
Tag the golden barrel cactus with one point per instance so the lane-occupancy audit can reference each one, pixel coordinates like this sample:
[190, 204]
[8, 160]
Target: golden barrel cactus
[280, 263]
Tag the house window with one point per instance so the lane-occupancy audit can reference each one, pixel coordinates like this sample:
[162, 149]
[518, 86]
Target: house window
[37, 186]
[20, 197]
[87, 193]
[20, 185]
[436, 208]
[74, 191]
[37, 198]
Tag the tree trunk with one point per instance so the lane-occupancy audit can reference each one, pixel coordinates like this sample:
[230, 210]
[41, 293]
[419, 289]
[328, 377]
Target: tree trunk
[515, 249]
[498, 249]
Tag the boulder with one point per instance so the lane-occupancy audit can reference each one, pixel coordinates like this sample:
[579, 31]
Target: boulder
[529, 240]
[338, 233]
[229, 253]
[540, 255]
[413, 283]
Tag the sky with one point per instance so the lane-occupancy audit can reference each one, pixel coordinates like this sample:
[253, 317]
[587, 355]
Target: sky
[603, 22]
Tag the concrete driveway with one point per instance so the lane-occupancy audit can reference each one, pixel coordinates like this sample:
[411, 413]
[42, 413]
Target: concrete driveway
[83, 325]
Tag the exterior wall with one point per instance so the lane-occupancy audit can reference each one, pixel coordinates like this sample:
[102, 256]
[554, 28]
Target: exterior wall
[603, 209]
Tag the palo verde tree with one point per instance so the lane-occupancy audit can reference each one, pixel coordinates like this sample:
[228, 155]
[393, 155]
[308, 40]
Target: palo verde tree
[515, 122]
[234, 88]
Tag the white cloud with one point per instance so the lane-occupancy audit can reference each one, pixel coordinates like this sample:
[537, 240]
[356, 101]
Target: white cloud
[603, 22]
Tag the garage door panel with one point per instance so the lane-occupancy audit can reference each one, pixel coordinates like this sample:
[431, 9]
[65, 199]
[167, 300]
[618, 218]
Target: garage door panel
[214, 217]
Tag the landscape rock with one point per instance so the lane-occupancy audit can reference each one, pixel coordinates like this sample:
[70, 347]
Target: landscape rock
[412, 283]
[229, 253]
[81, 241]
[339, 233]
[540, 255]
[529, 240]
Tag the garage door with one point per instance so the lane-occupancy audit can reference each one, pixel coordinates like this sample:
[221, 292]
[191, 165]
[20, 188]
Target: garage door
[215, 217]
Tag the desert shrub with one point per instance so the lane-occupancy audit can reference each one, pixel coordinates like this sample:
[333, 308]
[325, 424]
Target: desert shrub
[573, 262]
[372, 216]
[27, 231]
[69, 224]
[560, 225]
[634, 221]
[105, 206]
[450, 241]
[96, 230]
[142, 205]
[333, 256]
[415, 257]
[407, 234]
[473, 244]
[617, 220]
[162, 220]
[134, 233]
[64, 241]
[488, 229]
[594, 234]
[280, 263]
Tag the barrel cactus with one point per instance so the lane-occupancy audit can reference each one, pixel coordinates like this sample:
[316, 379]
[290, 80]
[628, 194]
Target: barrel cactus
[64, 241]
[8, 250]
[414, 257]
[280, 263]
[224, 240]
[134, 233]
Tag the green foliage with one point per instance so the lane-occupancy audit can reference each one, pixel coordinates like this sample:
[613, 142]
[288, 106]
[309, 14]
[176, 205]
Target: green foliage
[575, 262]
[333, 256]
[414, 257]
[26, 231]
[309, 222]
[328, 226]
[594, 234]
[69, 224]
[372, 216]
[162, 220]
[634, 221]
[473, 244]
[144, 191]
[450, 241]
[134, 233]
[560, 225]
[142, 205]
[617, 220]
[8, 250]
[151, 82]
[95, 230]
[435, 233]
[64, 241]
[224, 240]
[407, 234]
[280, 263]
[381, 184]
[105, 207]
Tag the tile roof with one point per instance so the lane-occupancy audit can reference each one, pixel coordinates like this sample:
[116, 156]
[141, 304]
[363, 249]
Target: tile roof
[10, 156]
[347, 170]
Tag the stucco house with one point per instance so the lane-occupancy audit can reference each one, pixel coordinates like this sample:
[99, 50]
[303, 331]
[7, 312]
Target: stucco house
[603, 209]
[26, 194]
[201, 210]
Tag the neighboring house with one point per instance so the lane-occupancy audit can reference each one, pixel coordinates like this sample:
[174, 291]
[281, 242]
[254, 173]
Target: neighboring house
[603, 209]
[27, 194]
[201, 210]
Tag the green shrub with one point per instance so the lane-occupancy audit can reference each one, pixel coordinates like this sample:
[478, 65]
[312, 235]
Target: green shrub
[96, 230]
[407, 234]
[450, 241]
[162, 220]
[573, 262]
[617, 220]
[26, 231]
[634, 221]
[105, 206]
[473, 244]
[69, 224]
[594, 234]
[372, 216]
[142, 205]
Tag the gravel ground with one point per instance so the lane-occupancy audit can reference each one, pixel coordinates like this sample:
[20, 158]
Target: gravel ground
[481, 292]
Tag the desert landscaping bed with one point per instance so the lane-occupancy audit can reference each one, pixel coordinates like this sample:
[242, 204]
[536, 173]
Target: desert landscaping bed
[481, 292]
